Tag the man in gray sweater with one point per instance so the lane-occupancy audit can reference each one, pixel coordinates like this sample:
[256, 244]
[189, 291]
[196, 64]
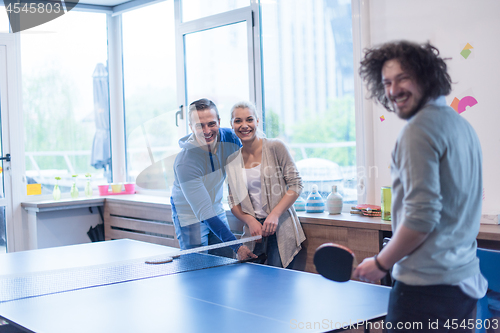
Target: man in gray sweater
[436, 171]
[196, 199]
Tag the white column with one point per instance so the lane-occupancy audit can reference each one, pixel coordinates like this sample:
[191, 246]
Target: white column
[117, 119]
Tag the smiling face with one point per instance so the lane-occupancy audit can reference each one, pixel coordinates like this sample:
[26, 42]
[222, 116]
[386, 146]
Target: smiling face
[401, 88]
[245, 124]
[205, 126]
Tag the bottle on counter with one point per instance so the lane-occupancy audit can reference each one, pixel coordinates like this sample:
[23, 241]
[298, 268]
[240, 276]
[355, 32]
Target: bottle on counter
[334, 201]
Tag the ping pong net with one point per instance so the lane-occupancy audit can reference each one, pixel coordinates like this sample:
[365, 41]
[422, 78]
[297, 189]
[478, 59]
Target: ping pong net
[20, 286]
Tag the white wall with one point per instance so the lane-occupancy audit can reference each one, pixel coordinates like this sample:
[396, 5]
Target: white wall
[65, 227]
[449, 25]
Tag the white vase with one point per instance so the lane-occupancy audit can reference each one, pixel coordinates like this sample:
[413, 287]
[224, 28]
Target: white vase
[56, 194]
[314, 202]
[334, 201]
[74, 190]
[88, 189]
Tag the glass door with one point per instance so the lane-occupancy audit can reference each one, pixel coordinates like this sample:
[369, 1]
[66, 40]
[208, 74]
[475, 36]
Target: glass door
[5, 179]
[218, 57]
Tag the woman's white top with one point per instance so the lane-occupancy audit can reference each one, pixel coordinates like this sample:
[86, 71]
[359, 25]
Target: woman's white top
[254, 190]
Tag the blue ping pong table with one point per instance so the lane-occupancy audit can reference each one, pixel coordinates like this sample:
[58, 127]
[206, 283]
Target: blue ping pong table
[241, 297]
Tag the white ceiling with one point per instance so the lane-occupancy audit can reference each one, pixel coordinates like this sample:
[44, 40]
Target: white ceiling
[111, 3]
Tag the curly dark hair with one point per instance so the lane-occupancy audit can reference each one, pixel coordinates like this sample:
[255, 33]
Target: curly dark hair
[422, 61]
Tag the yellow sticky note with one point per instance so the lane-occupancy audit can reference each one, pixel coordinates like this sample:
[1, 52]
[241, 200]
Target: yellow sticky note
[468, 47]
[34, 189]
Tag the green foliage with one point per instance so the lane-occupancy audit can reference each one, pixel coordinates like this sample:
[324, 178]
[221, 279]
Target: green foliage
[336, 124]
[49, 101]
[150, 114]
[273, 126]
[147, 104]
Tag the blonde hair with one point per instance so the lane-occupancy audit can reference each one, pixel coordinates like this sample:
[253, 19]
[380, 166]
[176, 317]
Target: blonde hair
[251, 107]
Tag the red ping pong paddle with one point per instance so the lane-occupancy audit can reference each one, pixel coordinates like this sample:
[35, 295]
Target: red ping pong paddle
[334, 262]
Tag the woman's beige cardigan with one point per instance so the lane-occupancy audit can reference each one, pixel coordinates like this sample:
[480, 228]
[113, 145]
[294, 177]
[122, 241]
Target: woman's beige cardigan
[278, 175]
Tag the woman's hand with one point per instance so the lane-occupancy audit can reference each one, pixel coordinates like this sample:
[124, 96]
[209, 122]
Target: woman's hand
[255, 227]
[245, 253]
[270, 225]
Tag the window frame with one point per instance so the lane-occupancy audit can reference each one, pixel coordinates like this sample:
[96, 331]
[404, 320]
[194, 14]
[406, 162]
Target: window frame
[365, 158]
[80, 8]
[250, 14]
[361, 39]
[363, 109]
[13, 126]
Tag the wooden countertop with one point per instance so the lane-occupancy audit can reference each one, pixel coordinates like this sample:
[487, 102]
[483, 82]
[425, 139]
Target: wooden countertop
[345, 220]
[486, 231]
[489, 232]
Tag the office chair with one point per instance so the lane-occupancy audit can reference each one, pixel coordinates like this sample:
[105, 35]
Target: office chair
[489, 263]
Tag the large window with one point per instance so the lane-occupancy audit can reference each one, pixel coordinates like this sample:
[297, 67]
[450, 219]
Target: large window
[4, 20]
[149, 66]
[224, 64]
[65, 101]
[308, 98]
[309, 89]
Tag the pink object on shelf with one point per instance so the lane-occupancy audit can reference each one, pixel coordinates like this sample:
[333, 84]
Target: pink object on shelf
[129, 188]
[104, 189]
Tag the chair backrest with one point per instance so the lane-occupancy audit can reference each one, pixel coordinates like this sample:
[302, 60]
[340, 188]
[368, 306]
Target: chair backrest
[489, 263]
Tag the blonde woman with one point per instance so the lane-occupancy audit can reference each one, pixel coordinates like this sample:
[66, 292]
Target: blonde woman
[263, 185]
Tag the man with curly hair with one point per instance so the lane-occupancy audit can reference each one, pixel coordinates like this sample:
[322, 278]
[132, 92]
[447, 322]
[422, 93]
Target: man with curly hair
[436, 174]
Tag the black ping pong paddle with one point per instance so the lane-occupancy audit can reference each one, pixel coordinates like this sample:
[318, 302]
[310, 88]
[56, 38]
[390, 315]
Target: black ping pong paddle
[261, 259]
[334, 262]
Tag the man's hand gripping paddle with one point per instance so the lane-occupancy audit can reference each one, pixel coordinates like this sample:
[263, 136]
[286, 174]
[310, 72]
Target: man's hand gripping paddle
[335, 262]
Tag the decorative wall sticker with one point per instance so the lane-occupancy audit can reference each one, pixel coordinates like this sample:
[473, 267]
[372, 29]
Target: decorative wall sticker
[465, 102]
[466, 51]
[454, 104]
[460, 105]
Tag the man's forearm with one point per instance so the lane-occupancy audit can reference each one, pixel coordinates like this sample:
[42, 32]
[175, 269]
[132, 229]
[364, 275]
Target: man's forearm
[221, 230]
[403, 242]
